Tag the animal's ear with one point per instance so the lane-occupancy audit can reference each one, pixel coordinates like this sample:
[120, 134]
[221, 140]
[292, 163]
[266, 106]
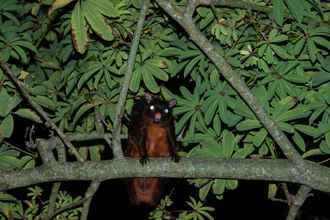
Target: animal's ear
[148, 97]
[172, 103]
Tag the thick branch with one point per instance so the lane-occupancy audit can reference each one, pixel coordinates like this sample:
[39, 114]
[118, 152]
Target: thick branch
[316, 176]
[235, 4]
[117, 151]
[232, 77]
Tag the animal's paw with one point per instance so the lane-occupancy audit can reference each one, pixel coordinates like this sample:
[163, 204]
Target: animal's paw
[144, 160]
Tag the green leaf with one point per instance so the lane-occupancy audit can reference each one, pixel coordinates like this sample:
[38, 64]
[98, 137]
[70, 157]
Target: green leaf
[309, 130]
[79, 29]
[322, 42]
[136, 79]
[217, 124]
[218, 186]
[228, 144]
[279, 38]
[191, 65]
[204, 191]
[8, 103]
[248, 124]
[327, 139]
[170, 52]
[83, 151]
[97, 21]
[45, 102]
[296, 113]
[285, 127]
[150, 82]
[82, 110]
[231, 184]
[27, 45]
[324, 147]
[281, 52]
[5, 197]
[26, 162]
[183, 120]
[95, 153]
[296, 9]
[8, 162]
[210, 111]
[299, 141]
[21, 53]
[156, 71]
[272, 189]
[243, 110]
[94, 67]
[299, 46]
[278, 11]
[105, 7]
[312, 49]
[28, 114]
[7, 126]
[320, 77]
[260, 137]
[243, 152]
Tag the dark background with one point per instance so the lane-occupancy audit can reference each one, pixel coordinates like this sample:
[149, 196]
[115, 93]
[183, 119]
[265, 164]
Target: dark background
[249, 201]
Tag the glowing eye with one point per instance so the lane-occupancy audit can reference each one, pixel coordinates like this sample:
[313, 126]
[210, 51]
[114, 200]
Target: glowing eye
[152, 107]
[166, 110]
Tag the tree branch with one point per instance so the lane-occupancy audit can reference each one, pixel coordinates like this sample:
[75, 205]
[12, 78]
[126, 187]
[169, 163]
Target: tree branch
[117, 151]
[92, 189]
[311, 174]
[236, 4]
[298, 201]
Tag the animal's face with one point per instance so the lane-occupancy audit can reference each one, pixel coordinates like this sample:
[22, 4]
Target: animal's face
[158, 110]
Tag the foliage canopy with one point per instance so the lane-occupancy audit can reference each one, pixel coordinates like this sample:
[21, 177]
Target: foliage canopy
[72, 57]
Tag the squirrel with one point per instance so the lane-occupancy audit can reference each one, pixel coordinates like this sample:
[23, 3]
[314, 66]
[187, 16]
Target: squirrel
[150, 134]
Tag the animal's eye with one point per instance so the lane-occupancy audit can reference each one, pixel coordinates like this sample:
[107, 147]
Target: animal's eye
[166, 110]
[152, 107]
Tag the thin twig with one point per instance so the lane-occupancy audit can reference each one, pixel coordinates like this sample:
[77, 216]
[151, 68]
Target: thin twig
[47, 156]
[117, 151]
[298, 201]
[89, 196]
[287, 194]
[49, 123]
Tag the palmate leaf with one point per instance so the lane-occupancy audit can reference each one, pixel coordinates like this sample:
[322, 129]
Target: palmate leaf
[151, 66]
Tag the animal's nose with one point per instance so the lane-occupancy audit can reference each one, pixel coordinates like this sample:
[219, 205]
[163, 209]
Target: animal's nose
[157, 117]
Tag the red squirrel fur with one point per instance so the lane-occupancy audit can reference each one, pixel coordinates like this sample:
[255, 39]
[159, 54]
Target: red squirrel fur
[150, 134]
